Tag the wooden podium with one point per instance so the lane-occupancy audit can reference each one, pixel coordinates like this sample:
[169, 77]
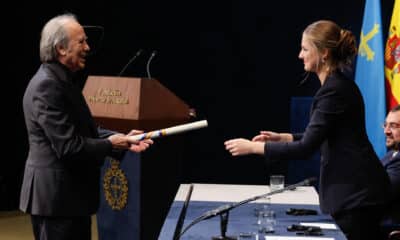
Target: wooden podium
[122, 103]
[136, 189]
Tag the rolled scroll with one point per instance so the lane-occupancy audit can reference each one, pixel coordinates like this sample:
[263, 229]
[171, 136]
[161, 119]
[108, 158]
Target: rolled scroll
[169, 131]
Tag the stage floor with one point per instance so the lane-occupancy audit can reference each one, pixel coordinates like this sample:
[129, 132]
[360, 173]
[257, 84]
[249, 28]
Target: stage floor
[15, 225]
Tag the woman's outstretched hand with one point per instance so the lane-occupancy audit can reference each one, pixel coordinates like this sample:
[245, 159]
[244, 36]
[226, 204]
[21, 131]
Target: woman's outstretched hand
[241, 146]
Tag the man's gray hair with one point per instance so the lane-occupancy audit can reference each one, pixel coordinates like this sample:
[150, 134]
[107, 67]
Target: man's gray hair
[54, 34]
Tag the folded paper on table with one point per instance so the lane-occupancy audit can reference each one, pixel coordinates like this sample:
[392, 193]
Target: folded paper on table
[330, 226]
[170, 131]
[296, 238]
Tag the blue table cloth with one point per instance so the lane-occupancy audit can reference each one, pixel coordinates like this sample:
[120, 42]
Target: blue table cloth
[242, 220]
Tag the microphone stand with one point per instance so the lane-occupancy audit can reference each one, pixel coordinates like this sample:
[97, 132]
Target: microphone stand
[130, 61]
[224, 226]
[223, 211]
[148, 63]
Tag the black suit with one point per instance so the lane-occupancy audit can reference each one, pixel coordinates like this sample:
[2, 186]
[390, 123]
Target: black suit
[391, 162]
[63, 166]
[351, 174]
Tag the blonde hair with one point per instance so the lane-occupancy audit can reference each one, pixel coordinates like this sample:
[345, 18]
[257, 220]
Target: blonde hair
[340, 43]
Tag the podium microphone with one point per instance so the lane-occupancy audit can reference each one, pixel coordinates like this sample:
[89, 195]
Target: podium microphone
[130, 61]
[223, 210]
[153, 54]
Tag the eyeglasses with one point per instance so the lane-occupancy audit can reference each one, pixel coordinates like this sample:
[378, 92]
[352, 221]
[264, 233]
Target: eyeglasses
[392, 126]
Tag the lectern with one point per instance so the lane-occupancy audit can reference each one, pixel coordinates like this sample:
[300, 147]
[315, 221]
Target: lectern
[136, 189]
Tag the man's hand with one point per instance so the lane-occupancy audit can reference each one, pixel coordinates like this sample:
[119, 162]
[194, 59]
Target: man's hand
[121, 141]
[140, 146]
[134, 132]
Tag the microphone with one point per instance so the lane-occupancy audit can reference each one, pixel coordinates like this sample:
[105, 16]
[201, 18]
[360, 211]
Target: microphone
[224, 209]
[307, 75]
[182, 215]
[153, 54]
[130, 61]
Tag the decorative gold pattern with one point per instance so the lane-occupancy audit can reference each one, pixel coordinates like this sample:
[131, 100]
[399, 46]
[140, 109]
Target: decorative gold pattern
[108, 96]
[115, 186]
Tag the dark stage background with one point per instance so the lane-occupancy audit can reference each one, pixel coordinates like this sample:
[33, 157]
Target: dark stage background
[234, 62]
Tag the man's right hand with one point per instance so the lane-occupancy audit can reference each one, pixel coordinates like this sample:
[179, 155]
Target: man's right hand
[120, 141]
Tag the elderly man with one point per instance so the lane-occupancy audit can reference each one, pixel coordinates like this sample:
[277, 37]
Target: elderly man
[61, 182]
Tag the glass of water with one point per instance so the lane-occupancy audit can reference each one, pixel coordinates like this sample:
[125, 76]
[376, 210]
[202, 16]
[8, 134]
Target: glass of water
[267, 222]
[276, 182]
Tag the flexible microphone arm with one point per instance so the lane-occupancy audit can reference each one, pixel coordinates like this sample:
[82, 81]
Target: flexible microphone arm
[148, 63]
[130, 61]
[227, 207]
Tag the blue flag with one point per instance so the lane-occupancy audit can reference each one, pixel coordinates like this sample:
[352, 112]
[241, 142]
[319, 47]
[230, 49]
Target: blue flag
[370, 76]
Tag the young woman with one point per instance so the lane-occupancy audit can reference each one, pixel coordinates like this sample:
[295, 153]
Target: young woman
[353, 184]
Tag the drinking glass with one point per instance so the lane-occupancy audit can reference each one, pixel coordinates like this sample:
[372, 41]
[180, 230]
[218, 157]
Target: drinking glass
[267, 222]
[276, 182]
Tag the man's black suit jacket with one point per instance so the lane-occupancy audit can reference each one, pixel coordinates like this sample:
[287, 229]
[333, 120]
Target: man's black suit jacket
[65, 151]
[351, 174]
[392, 165]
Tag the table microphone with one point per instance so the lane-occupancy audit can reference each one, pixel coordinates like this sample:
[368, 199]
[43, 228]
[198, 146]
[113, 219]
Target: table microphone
[182, 215]
[224, 209]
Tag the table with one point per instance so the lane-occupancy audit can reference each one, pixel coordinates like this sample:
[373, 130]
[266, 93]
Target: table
[242, 219]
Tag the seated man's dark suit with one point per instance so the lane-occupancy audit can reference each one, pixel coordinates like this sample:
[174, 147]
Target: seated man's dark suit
[391, 162]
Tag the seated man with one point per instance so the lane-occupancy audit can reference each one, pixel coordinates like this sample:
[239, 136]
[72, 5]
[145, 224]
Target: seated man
[391, 162]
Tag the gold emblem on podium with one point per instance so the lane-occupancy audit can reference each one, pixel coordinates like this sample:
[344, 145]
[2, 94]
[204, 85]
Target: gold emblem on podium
[115, 186]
